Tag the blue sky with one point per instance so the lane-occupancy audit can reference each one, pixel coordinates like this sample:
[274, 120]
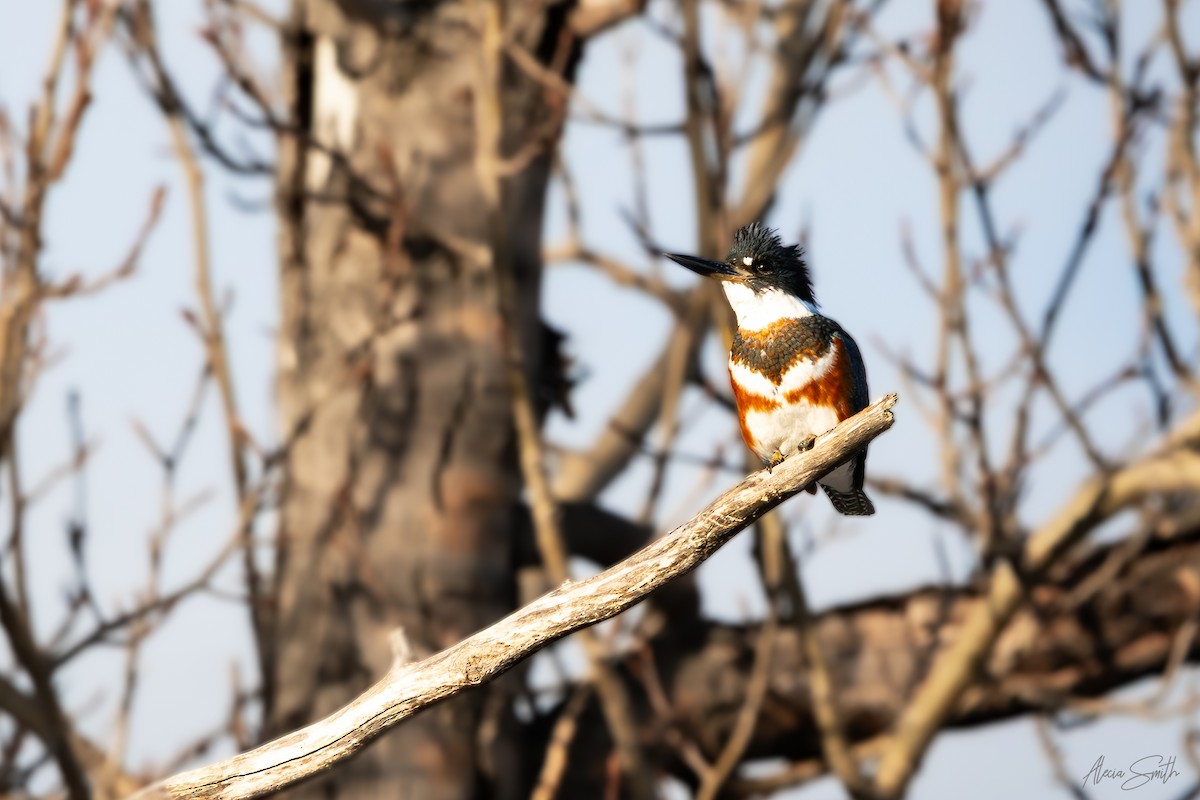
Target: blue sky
[855, 184]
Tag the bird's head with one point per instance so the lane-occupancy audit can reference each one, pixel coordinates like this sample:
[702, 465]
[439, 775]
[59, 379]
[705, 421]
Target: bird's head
[759, 259]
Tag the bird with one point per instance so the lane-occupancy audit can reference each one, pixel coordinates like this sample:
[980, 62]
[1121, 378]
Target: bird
[795, 372]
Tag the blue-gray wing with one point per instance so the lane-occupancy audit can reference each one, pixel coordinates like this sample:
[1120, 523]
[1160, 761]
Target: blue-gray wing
[860, 398]
[855, 502]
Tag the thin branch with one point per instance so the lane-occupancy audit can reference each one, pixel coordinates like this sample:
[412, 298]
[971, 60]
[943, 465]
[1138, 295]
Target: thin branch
[772, 541]
[212, 330]
[582, 476]
[554, 766]
[545, 512]
[835, 746]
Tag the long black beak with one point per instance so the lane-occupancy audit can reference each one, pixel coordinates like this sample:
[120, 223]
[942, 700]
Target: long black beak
[702, 266]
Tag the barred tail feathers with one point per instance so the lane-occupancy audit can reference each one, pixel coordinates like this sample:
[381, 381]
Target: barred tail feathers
[853, 503]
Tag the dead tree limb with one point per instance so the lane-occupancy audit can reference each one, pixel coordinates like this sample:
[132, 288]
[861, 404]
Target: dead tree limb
[412, 687]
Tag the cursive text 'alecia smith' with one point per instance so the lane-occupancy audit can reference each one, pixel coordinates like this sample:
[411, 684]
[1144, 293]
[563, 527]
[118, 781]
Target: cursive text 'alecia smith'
[1137, 775]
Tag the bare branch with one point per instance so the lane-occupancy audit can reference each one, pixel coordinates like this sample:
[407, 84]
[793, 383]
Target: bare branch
[494, 650]
[1174, 468]
[582, 476]
[773, 541]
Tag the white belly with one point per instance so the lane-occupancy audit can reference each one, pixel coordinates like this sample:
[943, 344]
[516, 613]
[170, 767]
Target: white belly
[783, 429]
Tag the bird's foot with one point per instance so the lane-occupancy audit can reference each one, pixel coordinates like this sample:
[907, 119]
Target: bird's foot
[776, 459]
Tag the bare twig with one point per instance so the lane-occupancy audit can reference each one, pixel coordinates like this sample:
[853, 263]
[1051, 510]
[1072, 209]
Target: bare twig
[772, 540]
[212, 328]
[826, 712]
[554, 766]
[546, 514]
[582, 476]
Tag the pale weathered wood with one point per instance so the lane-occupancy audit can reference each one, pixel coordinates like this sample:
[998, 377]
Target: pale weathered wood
[409, 688]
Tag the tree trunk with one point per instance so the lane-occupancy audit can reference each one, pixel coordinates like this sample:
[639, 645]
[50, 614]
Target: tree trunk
[401, 480]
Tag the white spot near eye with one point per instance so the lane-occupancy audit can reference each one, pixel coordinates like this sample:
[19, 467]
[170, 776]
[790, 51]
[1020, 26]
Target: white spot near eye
[747, 261]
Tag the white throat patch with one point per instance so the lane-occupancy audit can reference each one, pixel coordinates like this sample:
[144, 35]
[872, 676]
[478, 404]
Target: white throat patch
[757, 310]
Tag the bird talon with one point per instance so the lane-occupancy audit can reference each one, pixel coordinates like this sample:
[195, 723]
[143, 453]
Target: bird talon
[776, 459]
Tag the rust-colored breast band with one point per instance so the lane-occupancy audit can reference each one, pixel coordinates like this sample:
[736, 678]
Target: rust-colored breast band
[835, 387]
[747, 402]
[775, 349]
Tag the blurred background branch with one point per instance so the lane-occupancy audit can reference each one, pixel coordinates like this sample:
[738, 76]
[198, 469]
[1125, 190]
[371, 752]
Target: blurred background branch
[458, 372]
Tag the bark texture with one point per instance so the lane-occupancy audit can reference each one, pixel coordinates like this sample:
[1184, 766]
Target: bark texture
[401, 488]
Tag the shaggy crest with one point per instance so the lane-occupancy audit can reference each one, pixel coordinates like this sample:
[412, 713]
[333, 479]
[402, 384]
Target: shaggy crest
[772, 263]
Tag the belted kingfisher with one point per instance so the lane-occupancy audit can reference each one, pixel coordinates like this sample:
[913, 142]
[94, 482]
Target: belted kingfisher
[795, 373]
